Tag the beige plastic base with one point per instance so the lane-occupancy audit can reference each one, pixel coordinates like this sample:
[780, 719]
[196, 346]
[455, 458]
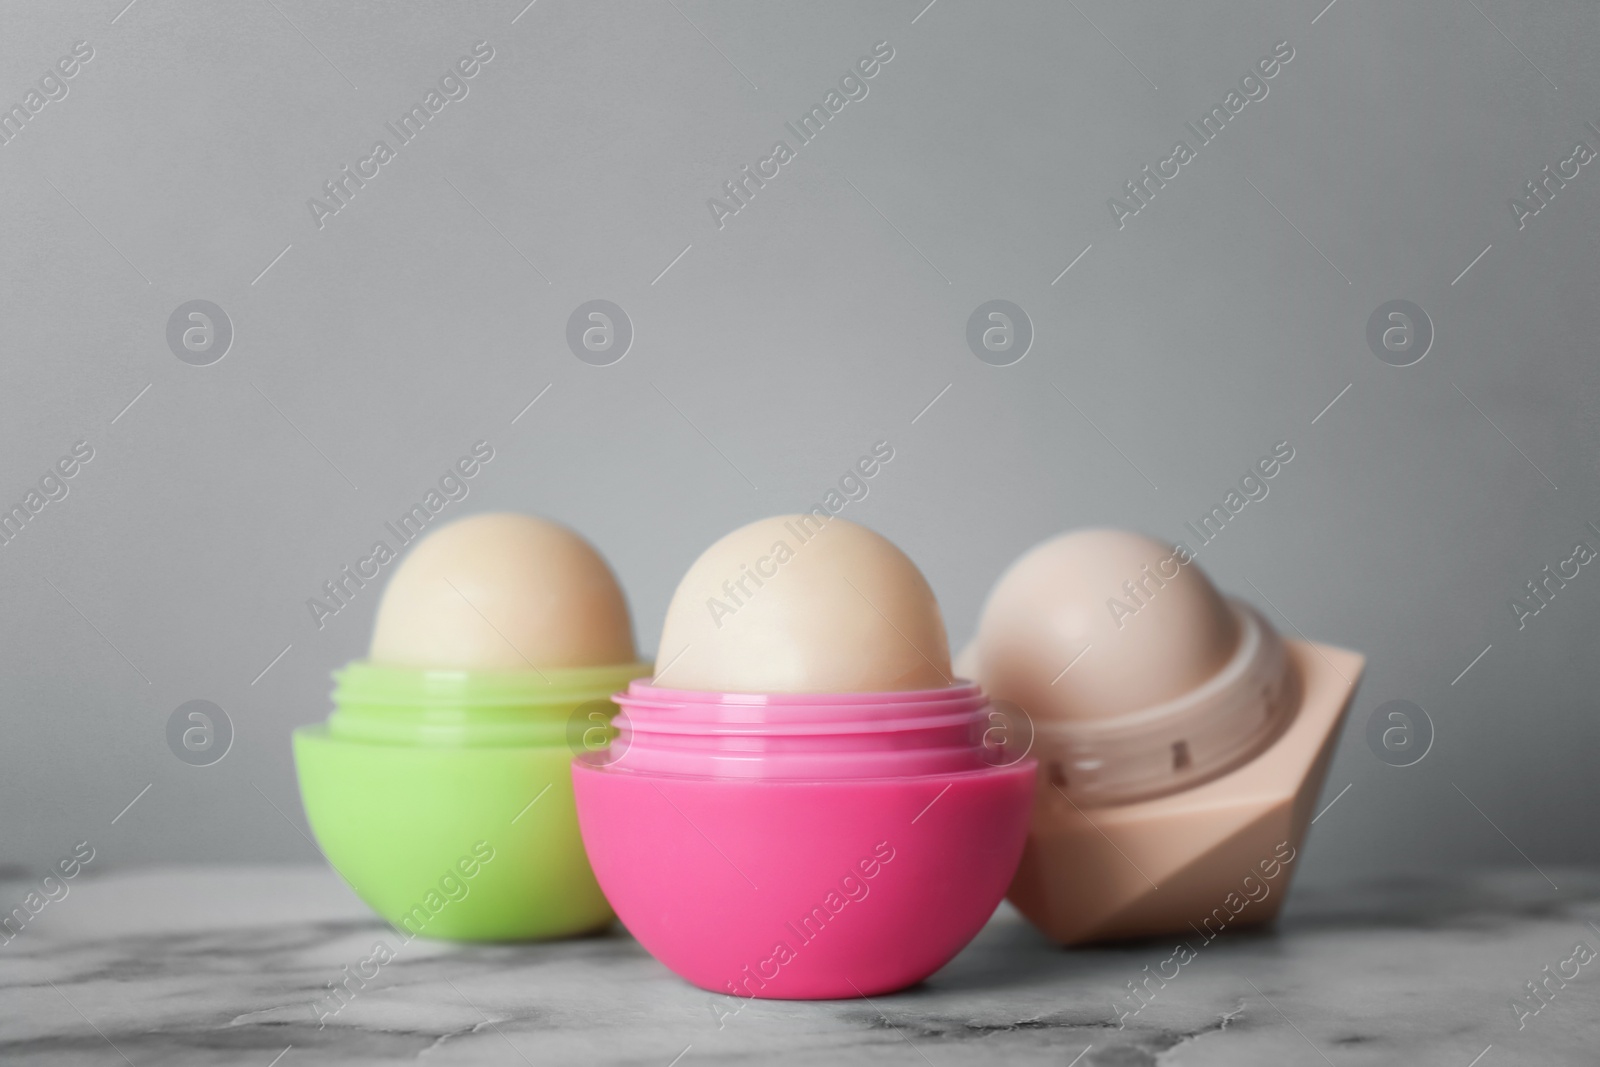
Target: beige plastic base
[1178, 864]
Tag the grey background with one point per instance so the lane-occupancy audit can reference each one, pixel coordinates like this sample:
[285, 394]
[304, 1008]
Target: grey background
[824, 317]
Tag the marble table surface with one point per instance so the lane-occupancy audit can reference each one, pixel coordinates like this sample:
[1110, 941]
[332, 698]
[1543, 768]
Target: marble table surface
[222, 965]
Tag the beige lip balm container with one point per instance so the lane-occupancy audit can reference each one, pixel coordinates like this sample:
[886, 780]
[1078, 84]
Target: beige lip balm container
[1181, 740]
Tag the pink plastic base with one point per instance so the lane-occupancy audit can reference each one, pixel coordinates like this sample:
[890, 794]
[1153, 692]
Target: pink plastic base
[804, 890]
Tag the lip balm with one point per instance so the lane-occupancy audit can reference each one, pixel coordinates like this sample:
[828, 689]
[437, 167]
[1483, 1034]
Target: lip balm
[440, 787]
[801, 803]
[1182, 741]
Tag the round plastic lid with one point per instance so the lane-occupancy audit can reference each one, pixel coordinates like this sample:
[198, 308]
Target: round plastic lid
[1180, 743]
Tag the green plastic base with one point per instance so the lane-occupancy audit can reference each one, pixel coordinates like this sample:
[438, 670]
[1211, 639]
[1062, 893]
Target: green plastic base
[466, 844]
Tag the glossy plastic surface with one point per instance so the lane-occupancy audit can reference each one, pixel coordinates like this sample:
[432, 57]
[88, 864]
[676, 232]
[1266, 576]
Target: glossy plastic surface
[419, 775]
[804, 890]
[1196, 861]
[806, 736]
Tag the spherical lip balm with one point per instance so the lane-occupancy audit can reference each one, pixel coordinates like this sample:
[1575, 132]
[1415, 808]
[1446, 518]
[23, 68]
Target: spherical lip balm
[497, 644]
[1123, 653]
[804, 803]
[795, 604]
[1181, 738]
[1149, 628]
[502, 591]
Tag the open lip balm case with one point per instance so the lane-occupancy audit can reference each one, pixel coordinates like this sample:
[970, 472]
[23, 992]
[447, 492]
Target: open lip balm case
[1182, 741]
[440, 787]
[802, 804]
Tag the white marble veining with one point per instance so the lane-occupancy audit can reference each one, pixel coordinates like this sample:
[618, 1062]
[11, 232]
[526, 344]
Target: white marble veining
[223, 965]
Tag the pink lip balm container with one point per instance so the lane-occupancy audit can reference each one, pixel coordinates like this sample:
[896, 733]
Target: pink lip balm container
[804, 846]
[804, 804]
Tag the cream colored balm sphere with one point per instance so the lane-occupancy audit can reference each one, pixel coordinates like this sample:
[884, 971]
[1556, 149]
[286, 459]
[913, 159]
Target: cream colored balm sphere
[1134, 619]
[803, 604]
[503, 592]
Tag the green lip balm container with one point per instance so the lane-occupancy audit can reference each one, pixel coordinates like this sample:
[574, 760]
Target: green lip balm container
[443, 793]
